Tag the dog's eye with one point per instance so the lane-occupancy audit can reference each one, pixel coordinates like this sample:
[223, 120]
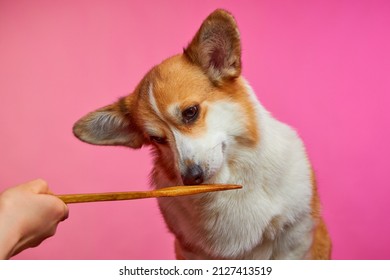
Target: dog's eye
[158, 140]
[190, 114]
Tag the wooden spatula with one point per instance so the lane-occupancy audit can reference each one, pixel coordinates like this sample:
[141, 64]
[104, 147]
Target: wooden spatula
[164, 192]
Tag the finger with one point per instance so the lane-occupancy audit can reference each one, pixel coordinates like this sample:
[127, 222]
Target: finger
[38, 186]
[62, 209]
[66, 212]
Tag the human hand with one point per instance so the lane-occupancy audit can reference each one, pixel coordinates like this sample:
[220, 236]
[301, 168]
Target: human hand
[28, 215]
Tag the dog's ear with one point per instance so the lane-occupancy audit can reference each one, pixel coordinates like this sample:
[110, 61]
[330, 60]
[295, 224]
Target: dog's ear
[110, 125]
[216, 47]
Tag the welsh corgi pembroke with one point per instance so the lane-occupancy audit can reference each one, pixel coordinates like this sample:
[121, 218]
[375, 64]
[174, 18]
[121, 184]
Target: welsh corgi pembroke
[205, 126]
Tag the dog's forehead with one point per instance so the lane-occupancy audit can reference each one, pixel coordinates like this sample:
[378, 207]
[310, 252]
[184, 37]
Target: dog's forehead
[177, 81]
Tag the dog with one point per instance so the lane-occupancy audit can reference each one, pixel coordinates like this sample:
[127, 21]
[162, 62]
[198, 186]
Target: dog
[206, 126]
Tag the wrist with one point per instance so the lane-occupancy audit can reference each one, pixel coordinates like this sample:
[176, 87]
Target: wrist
[9, 235]
[7, 247]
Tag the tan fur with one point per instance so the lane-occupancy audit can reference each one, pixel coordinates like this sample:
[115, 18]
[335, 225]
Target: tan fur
[322, 246]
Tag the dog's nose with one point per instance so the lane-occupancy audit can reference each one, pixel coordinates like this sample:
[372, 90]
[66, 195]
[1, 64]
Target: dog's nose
[193, 176]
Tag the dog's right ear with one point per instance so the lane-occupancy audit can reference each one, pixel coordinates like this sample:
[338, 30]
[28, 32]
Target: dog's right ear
[110, 125]
[216, 47]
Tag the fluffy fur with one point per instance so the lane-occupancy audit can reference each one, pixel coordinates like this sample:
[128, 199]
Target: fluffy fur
[205, 125]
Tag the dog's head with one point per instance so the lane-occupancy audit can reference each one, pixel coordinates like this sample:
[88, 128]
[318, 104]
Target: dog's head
[193, 108]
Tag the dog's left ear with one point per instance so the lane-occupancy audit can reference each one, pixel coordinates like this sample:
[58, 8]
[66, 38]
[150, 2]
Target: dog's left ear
[111, 125]
[216, 47]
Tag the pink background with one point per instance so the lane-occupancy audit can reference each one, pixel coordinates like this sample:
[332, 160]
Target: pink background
[323, 67]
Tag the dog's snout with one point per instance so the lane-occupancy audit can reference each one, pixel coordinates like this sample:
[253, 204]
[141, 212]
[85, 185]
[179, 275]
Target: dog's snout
[193, 176]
